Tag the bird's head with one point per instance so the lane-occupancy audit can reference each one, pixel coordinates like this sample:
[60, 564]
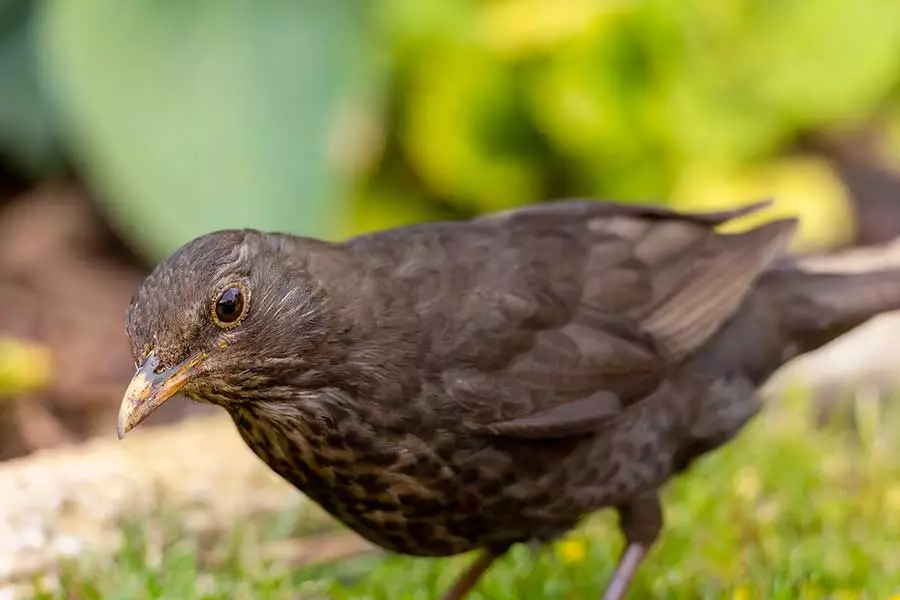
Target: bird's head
[221, 319]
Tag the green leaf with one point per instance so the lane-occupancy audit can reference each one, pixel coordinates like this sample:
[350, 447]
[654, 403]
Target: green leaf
[195, 116]
[27, 132]
[821, 61]
[466, 133]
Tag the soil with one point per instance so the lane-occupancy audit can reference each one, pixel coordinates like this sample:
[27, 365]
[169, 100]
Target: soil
[65, 283]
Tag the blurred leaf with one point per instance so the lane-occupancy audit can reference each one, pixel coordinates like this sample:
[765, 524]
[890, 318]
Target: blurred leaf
[375, 208]
[466, 132]
[824, 60]
[28, 136]
[518, 28]
[411, 24]
[24, 367]
[195, 116]
[705, 109]
[203, 115]
[596, 99]
[589, 95]
[801, 187]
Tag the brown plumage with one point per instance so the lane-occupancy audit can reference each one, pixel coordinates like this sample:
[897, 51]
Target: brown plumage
[471, 385]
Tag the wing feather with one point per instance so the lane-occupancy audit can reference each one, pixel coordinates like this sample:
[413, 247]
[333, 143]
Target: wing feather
[634, 291]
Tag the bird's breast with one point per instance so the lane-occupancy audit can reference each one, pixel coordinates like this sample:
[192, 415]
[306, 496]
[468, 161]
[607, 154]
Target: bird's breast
[451, 493]
[399, 498]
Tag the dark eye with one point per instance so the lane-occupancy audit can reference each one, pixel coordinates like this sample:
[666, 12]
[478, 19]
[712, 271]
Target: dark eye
[230, 306]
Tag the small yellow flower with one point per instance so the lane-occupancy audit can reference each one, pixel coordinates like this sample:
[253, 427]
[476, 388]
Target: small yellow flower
[572, 550]
[741, 593]
[894, 596]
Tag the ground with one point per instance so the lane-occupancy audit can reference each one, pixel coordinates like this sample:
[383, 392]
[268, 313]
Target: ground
[785, 512]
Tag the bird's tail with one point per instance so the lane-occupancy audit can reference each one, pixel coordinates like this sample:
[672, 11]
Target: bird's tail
[790, 311]
[794, 310]
[817, 307]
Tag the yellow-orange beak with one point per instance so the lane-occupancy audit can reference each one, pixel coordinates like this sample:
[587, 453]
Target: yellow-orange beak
[149, 389]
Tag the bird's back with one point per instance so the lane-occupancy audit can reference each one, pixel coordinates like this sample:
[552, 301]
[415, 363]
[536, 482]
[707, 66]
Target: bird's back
[532, 308]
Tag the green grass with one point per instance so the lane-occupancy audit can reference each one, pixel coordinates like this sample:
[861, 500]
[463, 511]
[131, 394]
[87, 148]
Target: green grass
[784, 512]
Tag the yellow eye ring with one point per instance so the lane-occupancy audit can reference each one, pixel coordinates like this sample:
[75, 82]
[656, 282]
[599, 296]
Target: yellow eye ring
[230, 305]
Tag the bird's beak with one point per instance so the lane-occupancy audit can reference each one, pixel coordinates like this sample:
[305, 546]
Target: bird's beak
[149, 389]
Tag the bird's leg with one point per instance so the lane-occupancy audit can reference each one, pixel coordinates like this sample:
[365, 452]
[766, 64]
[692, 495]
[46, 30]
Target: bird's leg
[467, 580]
[640, 521]
[631, 559]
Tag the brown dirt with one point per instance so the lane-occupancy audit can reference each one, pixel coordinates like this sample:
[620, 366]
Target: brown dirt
[65, 283]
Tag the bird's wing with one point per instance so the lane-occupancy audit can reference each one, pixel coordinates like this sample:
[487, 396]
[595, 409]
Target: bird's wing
[650, 287]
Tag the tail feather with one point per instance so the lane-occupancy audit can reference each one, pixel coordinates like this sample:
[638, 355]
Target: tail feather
[791, 311]
[816, 308]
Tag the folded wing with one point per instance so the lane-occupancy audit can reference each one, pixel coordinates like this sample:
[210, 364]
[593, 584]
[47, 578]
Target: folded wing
[652, 287]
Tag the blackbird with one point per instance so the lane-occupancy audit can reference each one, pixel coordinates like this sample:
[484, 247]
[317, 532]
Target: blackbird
[474, 384]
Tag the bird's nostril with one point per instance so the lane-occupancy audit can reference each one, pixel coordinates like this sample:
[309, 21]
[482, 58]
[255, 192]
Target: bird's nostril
[153, 363]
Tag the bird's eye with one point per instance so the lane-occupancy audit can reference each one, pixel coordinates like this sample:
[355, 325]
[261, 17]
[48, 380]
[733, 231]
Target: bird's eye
[229, 307]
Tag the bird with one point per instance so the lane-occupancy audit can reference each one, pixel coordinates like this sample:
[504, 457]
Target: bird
[474, 384]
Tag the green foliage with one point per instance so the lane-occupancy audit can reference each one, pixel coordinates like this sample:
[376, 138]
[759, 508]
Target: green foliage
[195, 116]
[204, 115]
[28, 134]
[514, 101]
[783, 513]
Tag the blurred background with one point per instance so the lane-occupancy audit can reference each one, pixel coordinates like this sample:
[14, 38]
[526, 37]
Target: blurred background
[127, 128]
